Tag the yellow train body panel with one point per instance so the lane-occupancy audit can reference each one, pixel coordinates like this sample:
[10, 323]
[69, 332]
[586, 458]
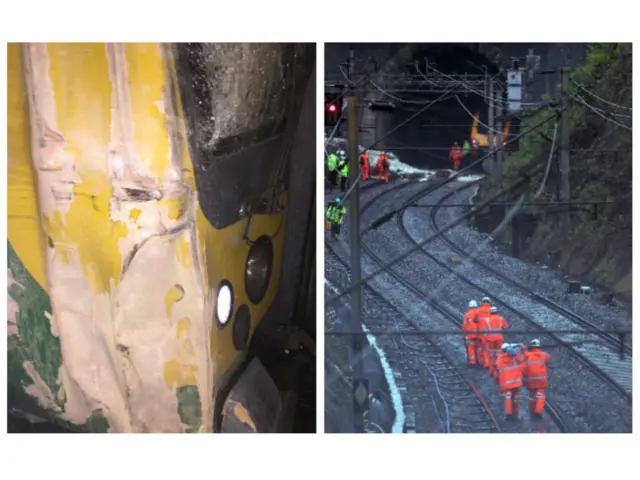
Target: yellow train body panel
[113, 267]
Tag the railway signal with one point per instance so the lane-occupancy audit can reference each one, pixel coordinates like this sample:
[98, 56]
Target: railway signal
[332, 109]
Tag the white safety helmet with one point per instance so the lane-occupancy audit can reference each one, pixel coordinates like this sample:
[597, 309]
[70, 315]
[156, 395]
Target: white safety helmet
[534, 343]
[341, 154]
[486, 300]
[493, 309]
[505, 346]
[473, 304]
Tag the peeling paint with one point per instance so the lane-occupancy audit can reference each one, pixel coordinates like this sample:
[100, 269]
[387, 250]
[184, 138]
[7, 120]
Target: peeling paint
[242, 414]
[12, 306]
[113, 211]
[112, 328]
[174, 295]
[190, 408]
[184, 325]
[39, 390]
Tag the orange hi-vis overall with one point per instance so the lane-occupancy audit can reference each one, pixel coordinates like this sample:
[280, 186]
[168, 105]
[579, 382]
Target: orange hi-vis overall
[483, 324]
[535, 371]
[382, 166]
[455, 155]
[470, 334]
[510, 381]
[364, 165]
[493, 340]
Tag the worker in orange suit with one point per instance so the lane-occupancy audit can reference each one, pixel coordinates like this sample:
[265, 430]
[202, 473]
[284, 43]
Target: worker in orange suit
[364, 165]
[455, 155]
[382, 165]
[535, 365]
[510, 381]
[469, 331]
[494, 339]
[484, 311]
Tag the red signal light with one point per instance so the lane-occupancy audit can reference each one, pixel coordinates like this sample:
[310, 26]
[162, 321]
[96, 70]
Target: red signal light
[332, 108]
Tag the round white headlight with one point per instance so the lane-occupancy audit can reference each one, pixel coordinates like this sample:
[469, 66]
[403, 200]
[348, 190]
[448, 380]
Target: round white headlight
[224, 305]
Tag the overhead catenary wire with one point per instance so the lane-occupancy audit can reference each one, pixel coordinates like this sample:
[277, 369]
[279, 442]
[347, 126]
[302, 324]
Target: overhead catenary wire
[384, 92]
[434, 294]
[473, 211]
[479, 122]
[582, 87]
[488, 101]
[398, 99]
[495, 77]
[402, 124]
[537, 105]
[597, 112]
[335, 129]
[601, 110]
[422, 150]
[365, 77]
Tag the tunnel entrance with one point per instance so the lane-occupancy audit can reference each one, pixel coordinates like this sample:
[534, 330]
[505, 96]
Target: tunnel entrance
[425, 141]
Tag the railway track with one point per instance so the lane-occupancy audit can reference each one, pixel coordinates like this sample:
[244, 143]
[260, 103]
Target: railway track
[464, 410]
[608, 337]
[543, 315]
[552, 412]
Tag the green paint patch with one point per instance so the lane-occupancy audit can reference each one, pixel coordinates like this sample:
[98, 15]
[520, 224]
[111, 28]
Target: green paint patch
[189, 407]
[96, 423]
[35, 343]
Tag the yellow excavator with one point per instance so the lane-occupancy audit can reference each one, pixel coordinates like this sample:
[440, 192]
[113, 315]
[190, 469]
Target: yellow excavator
[483, 139]
[147, 193]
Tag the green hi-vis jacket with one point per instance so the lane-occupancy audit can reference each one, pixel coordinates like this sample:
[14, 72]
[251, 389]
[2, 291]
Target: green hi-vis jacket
[335, 213]
[343, 168]
[331, 163]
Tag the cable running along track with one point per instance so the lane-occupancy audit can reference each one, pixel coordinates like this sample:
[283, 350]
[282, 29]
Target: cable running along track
[543, 314]
[470, 413]
[448, 315]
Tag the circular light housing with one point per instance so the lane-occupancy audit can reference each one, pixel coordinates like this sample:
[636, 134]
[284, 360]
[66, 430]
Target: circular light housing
[259, 266]
[241, 327]
[224, 303]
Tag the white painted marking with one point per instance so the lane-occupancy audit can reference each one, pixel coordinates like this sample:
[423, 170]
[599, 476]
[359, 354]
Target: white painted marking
[396, 397]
